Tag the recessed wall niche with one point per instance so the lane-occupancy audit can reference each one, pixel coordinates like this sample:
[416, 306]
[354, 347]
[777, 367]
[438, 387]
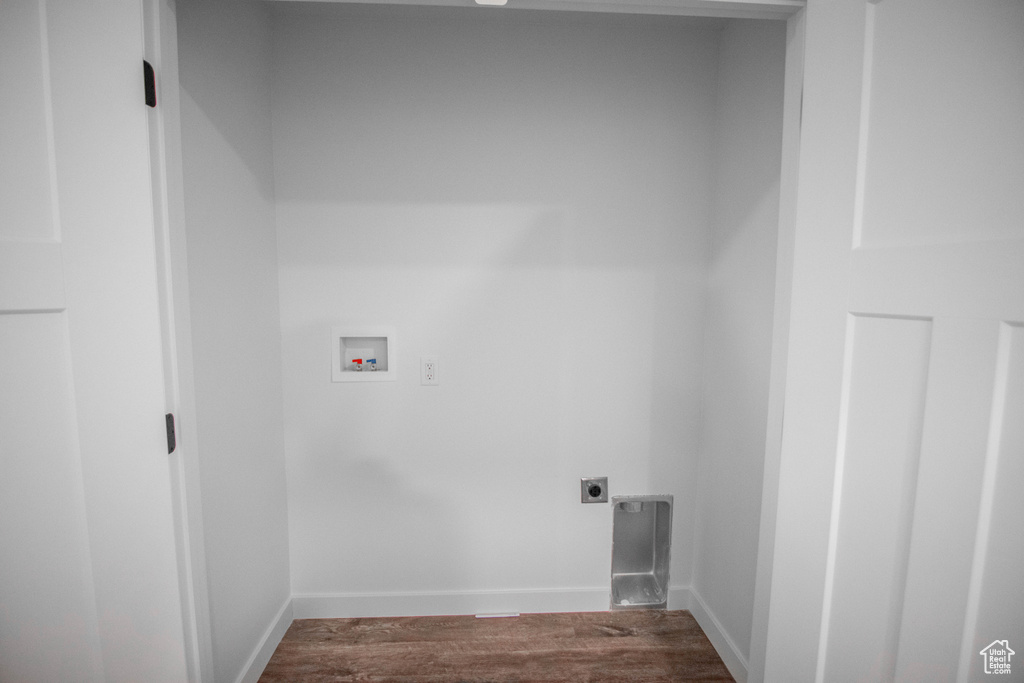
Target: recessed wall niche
[362, 354]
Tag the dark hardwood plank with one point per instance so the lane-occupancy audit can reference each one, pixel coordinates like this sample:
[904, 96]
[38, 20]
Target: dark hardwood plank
[637, 646]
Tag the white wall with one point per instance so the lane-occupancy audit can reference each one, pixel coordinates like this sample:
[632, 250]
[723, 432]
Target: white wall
[530, 202]
[741, 288]
[232, 272]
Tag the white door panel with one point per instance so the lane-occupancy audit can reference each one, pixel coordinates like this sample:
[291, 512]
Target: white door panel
[947, 498]
[26, 176]
[31, 276]
[49, 629]
[88, 575]
[887, 371]
[973, 279]
[945, 145]
[905, 390]
[996, 600]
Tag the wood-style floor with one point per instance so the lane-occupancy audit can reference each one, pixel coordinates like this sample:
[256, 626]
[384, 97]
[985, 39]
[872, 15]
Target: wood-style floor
[637, 646]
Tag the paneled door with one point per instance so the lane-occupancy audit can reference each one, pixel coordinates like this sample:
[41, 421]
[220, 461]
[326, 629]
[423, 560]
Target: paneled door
[88, 574]
[899, 550]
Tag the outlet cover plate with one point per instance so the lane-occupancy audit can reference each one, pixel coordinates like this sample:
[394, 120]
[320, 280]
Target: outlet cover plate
[585, 494]
[429, 371]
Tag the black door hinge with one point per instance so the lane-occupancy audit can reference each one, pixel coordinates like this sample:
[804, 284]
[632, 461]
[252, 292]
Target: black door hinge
[171, 442]
[150, 77]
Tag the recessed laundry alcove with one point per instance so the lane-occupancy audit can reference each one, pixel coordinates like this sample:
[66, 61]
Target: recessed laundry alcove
[576, 213]
[618, 239]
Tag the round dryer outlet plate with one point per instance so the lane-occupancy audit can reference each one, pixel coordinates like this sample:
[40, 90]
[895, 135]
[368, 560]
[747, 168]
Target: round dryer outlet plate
[594, 490]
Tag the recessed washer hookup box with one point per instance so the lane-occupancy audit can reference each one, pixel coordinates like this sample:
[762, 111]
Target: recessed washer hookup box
[641, 541]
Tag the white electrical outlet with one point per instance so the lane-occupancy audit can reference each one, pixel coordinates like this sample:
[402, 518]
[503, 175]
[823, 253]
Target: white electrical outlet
[428, 371]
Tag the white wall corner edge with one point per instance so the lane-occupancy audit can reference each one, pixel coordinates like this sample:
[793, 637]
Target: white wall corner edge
[723, 644]
[349, 605]
[253, 669]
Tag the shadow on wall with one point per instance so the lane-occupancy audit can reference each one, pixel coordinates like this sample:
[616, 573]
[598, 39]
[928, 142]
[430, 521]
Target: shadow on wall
[381, 518]
[443, 105]
[232, 88]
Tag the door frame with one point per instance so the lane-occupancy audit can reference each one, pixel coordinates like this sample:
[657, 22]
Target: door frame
[161, 47]
[817, 211]
[166, 162]
[789, 181]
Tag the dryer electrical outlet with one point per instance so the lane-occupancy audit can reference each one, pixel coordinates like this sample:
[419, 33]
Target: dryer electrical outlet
[594, 490]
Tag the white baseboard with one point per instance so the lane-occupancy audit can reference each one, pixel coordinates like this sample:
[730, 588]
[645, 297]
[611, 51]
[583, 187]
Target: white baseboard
[679, 597]
[261, 655]
[723, 644]
[346, 605]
